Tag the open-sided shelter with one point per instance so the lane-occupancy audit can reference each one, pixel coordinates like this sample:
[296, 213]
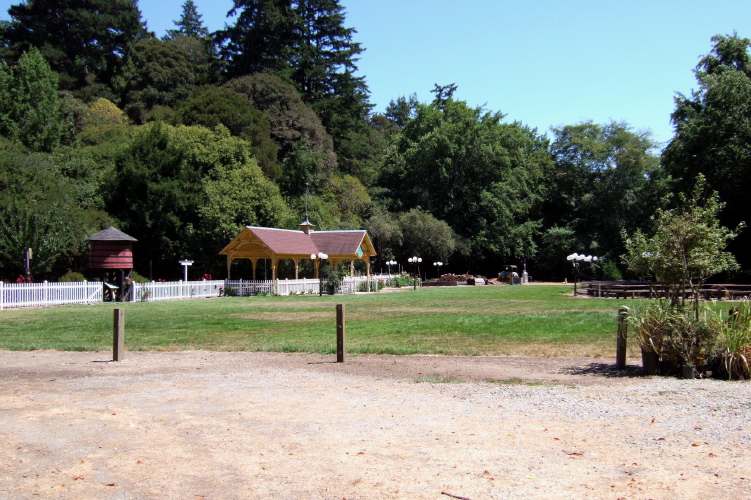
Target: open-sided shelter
[257, 243]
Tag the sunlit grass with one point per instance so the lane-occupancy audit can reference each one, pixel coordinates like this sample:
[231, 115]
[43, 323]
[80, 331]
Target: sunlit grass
[489, 320]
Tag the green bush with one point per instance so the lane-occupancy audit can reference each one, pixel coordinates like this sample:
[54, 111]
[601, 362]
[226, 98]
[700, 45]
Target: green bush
[72, 277]
[137, 278]
[708, 339]
[610, 271]
[401, 281]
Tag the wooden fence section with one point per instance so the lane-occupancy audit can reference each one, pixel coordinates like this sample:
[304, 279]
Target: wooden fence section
[90, 292]
[644, 290]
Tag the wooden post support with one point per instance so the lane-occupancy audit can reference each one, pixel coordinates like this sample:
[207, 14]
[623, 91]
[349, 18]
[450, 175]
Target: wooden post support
[340, 332]
[118, 341]
[620, 351]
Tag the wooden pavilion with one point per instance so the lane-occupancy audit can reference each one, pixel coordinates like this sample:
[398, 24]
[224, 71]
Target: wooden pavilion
[258, 243]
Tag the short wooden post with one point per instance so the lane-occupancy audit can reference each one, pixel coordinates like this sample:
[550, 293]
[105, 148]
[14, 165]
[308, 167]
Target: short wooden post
[340, 332]
[118, 341]
[620, 351]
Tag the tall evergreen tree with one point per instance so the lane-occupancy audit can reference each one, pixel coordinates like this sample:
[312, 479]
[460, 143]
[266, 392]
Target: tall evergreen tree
[261, 40]
[189, 24]
[304, 42]
[82, 40]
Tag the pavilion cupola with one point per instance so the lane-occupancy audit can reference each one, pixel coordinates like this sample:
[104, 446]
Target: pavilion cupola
[306, 226]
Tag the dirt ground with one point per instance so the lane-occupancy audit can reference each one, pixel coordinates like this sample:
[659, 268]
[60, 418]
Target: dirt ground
[212, 425]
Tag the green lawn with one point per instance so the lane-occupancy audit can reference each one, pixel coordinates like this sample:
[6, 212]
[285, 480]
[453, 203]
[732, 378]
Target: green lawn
[489, 320]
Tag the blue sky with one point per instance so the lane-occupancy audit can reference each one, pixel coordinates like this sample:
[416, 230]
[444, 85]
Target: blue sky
[545, 64]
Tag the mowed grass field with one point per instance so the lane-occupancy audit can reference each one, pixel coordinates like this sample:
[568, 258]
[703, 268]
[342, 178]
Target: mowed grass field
[534, 320]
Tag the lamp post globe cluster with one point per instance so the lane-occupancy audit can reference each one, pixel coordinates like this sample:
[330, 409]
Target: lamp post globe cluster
[390, 263]
[438, 266]
[575, 260]
[415, 261]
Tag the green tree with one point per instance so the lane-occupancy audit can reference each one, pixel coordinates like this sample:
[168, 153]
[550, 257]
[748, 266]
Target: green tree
[712, 132]
[402, 110]
[236, 195]
[30, 110]
[157, 73]
[299, 169]
[189, 24]
[386, 233]
[361, 151]
[290, 118]
[194, 39]
[210, 106]
[167, 187]
[425, 236]
[306, 43]
[607, 179]
[48, 203]
[688, 245]
[483, 177]
[261, 40]
[85, 41]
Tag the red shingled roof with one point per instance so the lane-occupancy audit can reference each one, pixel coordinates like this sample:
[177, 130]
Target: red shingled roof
[338, 242]
[285, 241]
[262, 241]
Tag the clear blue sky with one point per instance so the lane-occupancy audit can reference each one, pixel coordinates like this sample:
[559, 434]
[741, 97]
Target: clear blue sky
[546, 63]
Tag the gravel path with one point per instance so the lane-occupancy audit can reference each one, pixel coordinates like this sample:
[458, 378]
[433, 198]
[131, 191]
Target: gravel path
[201, 424]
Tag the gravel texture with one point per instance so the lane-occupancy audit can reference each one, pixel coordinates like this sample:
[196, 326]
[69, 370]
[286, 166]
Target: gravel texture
[199, 424]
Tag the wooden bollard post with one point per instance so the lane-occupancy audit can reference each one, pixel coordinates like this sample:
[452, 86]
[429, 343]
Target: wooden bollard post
[620, 350]
[118, 340]
[340, 333]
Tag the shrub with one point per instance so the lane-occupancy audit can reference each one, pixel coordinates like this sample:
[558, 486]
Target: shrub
[610, 271]
[735, 343]
[72, 277]
[137, 278]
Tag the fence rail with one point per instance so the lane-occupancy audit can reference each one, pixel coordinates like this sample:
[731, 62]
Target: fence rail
[85, 292]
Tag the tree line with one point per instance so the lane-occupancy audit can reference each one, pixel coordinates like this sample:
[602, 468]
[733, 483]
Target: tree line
[182, 141]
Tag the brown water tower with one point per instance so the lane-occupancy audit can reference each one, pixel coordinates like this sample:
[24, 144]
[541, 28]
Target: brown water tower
[112, 261]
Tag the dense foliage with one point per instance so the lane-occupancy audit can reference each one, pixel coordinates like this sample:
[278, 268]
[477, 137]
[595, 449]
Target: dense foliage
[181, 141]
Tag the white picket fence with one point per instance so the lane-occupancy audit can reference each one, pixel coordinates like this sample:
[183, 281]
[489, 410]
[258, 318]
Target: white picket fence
[303, 286]
[176, 290]
[50, 294]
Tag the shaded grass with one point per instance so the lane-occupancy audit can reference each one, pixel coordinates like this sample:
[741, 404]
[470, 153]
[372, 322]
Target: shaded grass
[501, 320]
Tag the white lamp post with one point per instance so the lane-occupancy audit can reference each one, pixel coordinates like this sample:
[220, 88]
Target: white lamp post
[321, 257]
[185, 264]
[575, 260]
[415, 261]
[390, 263]
[438, 266]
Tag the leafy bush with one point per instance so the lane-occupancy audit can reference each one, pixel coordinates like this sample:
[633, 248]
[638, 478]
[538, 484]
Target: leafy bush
[401, 281]
[334, 283]
[137, 278]
[610, 271]
[72, 277]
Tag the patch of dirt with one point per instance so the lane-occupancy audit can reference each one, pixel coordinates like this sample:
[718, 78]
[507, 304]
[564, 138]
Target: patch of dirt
[201, 424]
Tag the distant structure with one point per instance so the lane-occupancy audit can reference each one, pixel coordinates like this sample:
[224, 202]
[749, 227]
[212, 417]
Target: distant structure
[265, 243]
[111, 261]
